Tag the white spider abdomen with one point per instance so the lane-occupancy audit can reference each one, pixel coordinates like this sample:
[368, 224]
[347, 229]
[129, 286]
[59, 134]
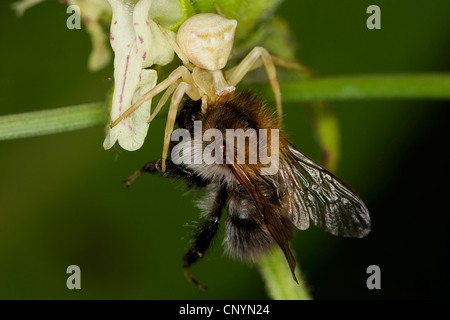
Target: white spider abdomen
[207, 39]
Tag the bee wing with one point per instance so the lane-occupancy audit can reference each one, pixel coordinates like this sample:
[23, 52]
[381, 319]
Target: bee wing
[316, 194]
[270, 219]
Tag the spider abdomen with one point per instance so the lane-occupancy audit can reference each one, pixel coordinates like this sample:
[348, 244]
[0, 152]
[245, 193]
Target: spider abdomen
[207, 39]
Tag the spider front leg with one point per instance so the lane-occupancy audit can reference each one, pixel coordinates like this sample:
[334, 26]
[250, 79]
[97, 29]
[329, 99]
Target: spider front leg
[163, 100]
[180, 72]
[194, 94]
[246, 65]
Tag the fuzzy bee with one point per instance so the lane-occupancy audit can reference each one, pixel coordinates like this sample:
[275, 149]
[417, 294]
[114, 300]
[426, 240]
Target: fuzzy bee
[264, 181]
[262, 208]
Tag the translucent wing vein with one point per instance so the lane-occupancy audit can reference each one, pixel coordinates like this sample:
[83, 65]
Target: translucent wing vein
[320, 196]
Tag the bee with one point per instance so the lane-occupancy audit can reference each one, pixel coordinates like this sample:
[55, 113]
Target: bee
[266, 184]
[262, 208]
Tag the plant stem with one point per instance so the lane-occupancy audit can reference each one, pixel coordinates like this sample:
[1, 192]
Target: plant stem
[418, 86]
[278, 278]
[38, 123]
[414, 86]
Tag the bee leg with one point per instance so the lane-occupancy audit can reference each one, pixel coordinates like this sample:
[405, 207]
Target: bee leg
[155, 166]
[148, 167]
[204, 236]
[177, 171]
[172, 171]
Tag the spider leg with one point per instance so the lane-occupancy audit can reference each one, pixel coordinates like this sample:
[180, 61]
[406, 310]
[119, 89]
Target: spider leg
[246, 65]
[163, 100]
[279, 62]
[291, 65]
[182, 88]
[180, 72]
[218, 10]
[204, 103]
[174, 46]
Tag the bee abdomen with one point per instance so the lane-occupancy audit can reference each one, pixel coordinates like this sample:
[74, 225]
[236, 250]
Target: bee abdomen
[246, 238]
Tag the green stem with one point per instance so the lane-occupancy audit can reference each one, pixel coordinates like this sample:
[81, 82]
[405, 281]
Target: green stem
[413, 86]
[38, 123]
[278, 278]
[419, 86]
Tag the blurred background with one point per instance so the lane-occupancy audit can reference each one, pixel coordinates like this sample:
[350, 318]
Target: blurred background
[63, 202]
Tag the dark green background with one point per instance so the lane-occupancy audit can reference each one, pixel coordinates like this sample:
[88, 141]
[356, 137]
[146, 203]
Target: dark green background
[62, 200]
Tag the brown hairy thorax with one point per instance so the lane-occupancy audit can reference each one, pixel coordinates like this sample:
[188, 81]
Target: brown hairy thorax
[244, 111]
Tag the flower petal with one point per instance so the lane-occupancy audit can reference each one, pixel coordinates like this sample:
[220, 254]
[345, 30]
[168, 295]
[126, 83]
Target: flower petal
[130, 133]
[137, 43]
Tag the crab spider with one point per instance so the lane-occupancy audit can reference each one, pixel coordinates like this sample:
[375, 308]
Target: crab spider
[204, 44]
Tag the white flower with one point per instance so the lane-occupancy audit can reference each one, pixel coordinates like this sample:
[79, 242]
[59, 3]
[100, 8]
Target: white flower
[138, 44]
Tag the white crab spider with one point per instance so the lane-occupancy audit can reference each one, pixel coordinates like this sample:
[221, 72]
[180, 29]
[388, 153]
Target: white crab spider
[204, 44]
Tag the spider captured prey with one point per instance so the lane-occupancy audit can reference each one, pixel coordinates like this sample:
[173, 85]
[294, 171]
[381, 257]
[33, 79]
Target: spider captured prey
[238, 152]
[262, 204]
